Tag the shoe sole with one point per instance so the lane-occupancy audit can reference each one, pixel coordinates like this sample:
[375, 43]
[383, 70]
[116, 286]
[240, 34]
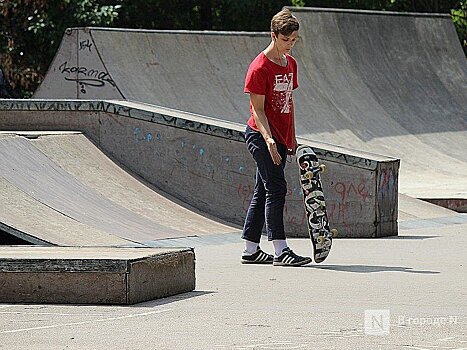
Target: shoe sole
[301, 263]
[257, 262]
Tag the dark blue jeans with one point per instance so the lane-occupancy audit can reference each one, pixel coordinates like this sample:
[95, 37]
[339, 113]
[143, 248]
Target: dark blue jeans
[267, 203]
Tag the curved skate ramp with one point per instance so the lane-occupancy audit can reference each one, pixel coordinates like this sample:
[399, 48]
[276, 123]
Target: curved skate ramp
[200, 161]
[394, 84]
[381, 82]
[55, 183]
[60, 189]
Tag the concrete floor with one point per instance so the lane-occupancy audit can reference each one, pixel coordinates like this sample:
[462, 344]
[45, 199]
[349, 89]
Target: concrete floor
[418, 277]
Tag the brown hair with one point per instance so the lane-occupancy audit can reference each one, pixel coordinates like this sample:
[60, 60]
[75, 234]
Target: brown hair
[284, 22]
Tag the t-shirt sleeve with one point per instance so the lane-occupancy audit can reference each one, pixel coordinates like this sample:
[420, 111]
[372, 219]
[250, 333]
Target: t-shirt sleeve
[255, 81]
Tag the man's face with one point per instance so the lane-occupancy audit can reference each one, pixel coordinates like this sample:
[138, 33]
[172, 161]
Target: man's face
[286, 43]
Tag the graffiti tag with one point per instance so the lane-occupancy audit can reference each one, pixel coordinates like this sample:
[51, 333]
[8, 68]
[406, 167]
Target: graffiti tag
[85, 76]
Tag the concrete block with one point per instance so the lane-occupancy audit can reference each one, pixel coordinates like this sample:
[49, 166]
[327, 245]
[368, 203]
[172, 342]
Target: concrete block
[84, 275]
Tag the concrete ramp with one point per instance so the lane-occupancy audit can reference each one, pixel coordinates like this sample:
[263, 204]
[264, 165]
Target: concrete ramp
[386, 83]
[60, 189]
[390, 83]
[200, 161]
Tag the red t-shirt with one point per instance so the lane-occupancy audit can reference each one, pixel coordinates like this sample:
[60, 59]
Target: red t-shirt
[276, 83]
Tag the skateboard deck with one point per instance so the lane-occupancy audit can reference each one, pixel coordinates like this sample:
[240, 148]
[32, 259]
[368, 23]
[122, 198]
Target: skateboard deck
[315, 205]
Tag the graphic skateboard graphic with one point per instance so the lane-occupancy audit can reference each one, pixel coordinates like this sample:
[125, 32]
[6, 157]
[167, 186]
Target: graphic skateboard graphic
[315, 205]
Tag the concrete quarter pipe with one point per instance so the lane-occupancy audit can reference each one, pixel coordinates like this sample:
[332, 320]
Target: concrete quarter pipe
[388, 83]
[62, 190]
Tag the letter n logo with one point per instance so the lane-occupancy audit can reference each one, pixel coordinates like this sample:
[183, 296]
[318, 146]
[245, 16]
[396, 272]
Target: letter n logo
[377, 322]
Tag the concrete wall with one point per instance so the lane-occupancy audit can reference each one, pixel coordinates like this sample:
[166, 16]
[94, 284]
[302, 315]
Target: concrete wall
[204, 162]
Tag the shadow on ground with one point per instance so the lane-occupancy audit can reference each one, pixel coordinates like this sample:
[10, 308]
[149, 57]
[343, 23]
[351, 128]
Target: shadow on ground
[172, 299]
[370, 269]
[409, 237]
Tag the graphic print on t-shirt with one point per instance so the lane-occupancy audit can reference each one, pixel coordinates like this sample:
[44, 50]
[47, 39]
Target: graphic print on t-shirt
[281, 97]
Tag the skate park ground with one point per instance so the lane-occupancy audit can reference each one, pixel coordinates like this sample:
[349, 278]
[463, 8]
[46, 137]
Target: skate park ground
[418, 277]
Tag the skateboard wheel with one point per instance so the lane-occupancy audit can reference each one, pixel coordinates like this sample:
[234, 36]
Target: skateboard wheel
[320, 239]
[309, 175]
[322, 167]
[334, 232]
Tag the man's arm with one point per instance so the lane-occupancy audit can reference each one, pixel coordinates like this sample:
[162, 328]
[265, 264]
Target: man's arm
[294, 149]
[257, 101]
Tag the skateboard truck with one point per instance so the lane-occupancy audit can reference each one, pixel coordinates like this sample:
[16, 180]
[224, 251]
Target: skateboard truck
[310, 174]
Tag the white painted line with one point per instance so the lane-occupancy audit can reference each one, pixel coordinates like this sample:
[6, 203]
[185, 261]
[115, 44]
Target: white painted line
[5, 306]
[272, 346]
[446, 339]
[86, 322]
[47, 313]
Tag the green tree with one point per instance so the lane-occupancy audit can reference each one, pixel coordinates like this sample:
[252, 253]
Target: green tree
[459, 17]
[31, 31]
[249, 15]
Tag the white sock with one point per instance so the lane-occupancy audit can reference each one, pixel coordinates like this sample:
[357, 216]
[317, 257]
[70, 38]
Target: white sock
[279, 246]
[251, 247]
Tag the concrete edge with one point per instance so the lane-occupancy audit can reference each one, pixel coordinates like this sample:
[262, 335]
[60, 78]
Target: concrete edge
[23, 235]
[171, 31]
[457, 204]
[189, 121]
[110, 280]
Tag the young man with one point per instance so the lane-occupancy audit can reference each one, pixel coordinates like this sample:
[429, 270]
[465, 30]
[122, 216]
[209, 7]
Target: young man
[270, 136]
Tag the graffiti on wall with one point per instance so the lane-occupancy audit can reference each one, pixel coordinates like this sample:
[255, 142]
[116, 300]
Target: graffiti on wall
[387, 192]
[85, 45]
[85, 76]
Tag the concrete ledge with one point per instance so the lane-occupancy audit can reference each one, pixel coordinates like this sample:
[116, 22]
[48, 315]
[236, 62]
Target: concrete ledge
[170, 148]
[456, 204]
[84, 275]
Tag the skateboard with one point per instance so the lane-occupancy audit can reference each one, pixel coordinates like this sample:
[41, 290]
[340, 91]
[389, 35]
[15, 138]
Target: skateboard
[315, 205]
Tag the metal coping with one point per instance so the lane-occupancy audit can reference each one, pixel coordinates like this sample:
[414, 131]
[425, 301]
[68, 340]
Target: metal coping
[170, 31]
[188, 121]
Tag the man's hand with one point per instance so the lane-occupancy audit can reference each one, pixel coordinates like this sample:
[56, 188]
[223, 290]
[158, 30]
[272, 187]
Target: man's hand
[292, 151]
[272, 147]
[257, 102]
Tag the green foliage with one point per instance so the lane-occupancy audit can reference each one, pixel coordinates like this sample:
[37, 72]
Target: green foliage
[439, 6]
[199, 14]
[31, 30]
[88, 11]
[298, 3]
[459, 17]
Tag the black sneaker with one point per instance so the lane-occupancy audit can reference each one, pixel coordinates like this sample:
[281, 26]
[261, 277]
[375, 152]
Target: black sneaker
[259, 257]
[289, 258]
